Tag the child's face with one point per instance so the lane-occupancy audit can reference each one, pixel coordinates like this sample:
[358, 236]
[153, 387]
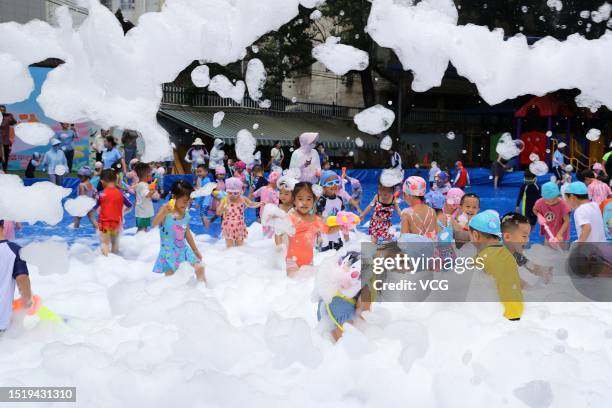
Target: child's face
[451, 207]
[330, 191]
[220, 176]
[572, 201]
[518, 237]
[285, 196]
[385, 193]
[233, 196]
[201, 172]
[182, 203]
[470, 206]
[304, 201]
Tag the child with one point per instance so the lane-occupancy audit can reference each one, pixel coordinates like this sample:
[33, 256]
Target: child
[556, 213]
[13, 272]
[528, 195]
[433, 172]
[240, 172]
[232, 208]
[203, 203]
[445, 238]
[268, 195]
[462, 179]
[469, 206]
[55, 158]
[285, 193]
[587, 216]
[598, 190]
[110, 219]
[216, 198]
[300, 246]
[419, 219]
[158, 174]
[95, 176]
[516, 230]
[383, 203]
[86, 189]
[566, 179]
[145, 193]
[330, 204]
[356, 193]
[442, 183]
[196, 155]
[177, 243]
[453, 201]
[32, 164]
[257, 182]
[497, 261]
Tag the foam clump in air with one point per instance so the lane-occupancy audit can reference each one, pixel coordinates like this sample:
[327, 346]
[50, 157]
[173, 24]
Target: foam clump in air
[15, 81]
[539, 168]
[359, 141]
[200, 76]
[245, 146]
[205, 191]
[39, 202]
[374, 120]
[218, 118]
[425, 37]
[340, 58]
[34, 134]
[225, 89]
[386, 143]
[256, 78]
[508, 148]
[391, 177]
[80, 206]
[593, 135]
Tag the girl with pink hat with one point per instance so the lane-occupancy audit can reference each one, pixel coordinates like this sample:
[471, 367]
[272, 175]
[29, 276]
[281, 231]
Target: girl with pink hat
[217, 192]
[419, 219]
[233, 227]
[269, 195]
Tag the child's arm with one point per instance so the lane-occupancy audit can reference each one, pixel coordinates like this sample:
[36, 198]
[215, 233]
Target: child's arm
[405, 224]
[368, 208]
[396, 206]
[252, 204]
[192, 244]
[161, 215]
[564, 227]
[25, 289]
[584, 234]
[81, 189]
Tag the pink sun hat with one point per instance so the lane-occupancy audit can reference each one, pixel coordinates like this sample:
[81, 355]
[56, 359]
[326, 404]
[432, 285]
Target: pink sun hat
[454, 195]
[233, 185]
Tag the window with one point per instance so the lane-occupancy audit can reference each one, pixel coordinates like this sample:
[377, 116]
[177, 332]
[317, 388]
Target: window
[128, 4]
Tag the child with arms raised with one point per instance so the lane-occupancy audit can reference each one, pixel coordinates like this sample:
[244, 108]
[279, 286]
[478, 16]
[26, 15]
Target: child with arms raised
[232, 208]
[177, 243]
[383, 203]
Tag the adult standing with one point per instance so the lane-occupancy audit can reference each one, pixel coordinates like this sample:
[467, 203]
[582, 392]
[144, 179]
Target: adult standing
[277, 156]
[112, 155]
[558, 162]
[323, 156]
[498, 168]
[8, 120]
[97, 144]
[129, 139]
[306, 158]
[67, 135]
[56, 163]
[196, 155]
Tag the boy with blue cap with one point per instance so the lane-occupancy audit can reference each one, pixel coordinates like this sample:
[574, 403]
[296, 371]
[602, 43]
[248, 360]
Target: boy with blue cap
[499, 263]
[330, 204]
[553, 212]
[587, 216]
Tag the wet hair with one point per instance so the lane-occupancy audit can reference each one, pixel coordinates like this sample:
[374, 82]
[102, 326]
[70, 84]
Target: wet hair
[141, 170]
[512, 220]
[469, 195]
[111, 139]
[181, 189]
[108, 176]
[202, 166]
[304, 185]
[588, 174]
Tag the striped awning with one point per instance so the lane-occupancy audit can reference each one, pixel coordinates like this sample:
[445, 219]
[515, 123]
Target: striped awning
[270, 127]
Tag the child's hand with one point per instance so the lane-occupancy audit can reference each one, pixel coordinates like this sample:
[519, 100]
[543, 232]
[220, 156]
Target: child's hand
[559, 237]
[198, 254]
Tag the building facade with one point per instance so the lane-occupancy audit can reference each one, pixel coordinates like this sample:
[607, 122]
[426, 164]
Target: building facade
[133, 9]
[22, 11]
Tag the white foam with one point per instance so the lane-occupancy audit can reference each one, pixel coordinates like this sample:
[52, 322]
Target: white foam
[80, 206]
[340, 58]
[374, 120]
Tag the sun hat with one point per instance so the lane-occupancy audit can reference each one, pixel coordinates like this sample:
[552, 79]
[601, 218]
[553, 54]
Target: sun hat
[443, 176]
[55, 142]
[435, 200]
[220, 170]
[240, 165]
[84, 171]
[454, 195]
[197, 142]
[488, 222]
[233, 185]
[415, 186]
[597, 166]
[307, 139]
[287, 183]
[274, 176]
[578, 188]
[550, 190]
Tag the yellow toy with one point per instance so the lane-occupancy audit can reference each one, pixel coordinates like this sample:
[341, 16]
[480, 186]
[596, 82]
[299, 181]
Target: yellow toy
[343, 219]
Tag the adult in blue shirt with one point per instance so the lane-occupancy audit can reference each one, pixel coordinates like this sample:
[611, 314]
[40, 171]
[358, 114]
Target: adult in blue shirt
[112, 154]
[558, 162]
[55, 162]
[67, 135]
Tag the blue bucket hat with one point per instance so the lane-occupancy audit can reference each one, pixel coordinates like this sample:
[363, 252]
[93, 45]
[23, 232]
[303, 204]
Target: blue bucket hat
[578, 188]
[443, 176]
[84, 171]
[487, 222]
[435, 200]
[550, 190]
[326, 176]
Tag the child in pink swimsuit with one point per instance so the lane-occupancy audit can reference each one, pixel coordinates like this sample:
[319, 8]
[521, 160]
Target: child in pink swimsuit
[233, 227]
